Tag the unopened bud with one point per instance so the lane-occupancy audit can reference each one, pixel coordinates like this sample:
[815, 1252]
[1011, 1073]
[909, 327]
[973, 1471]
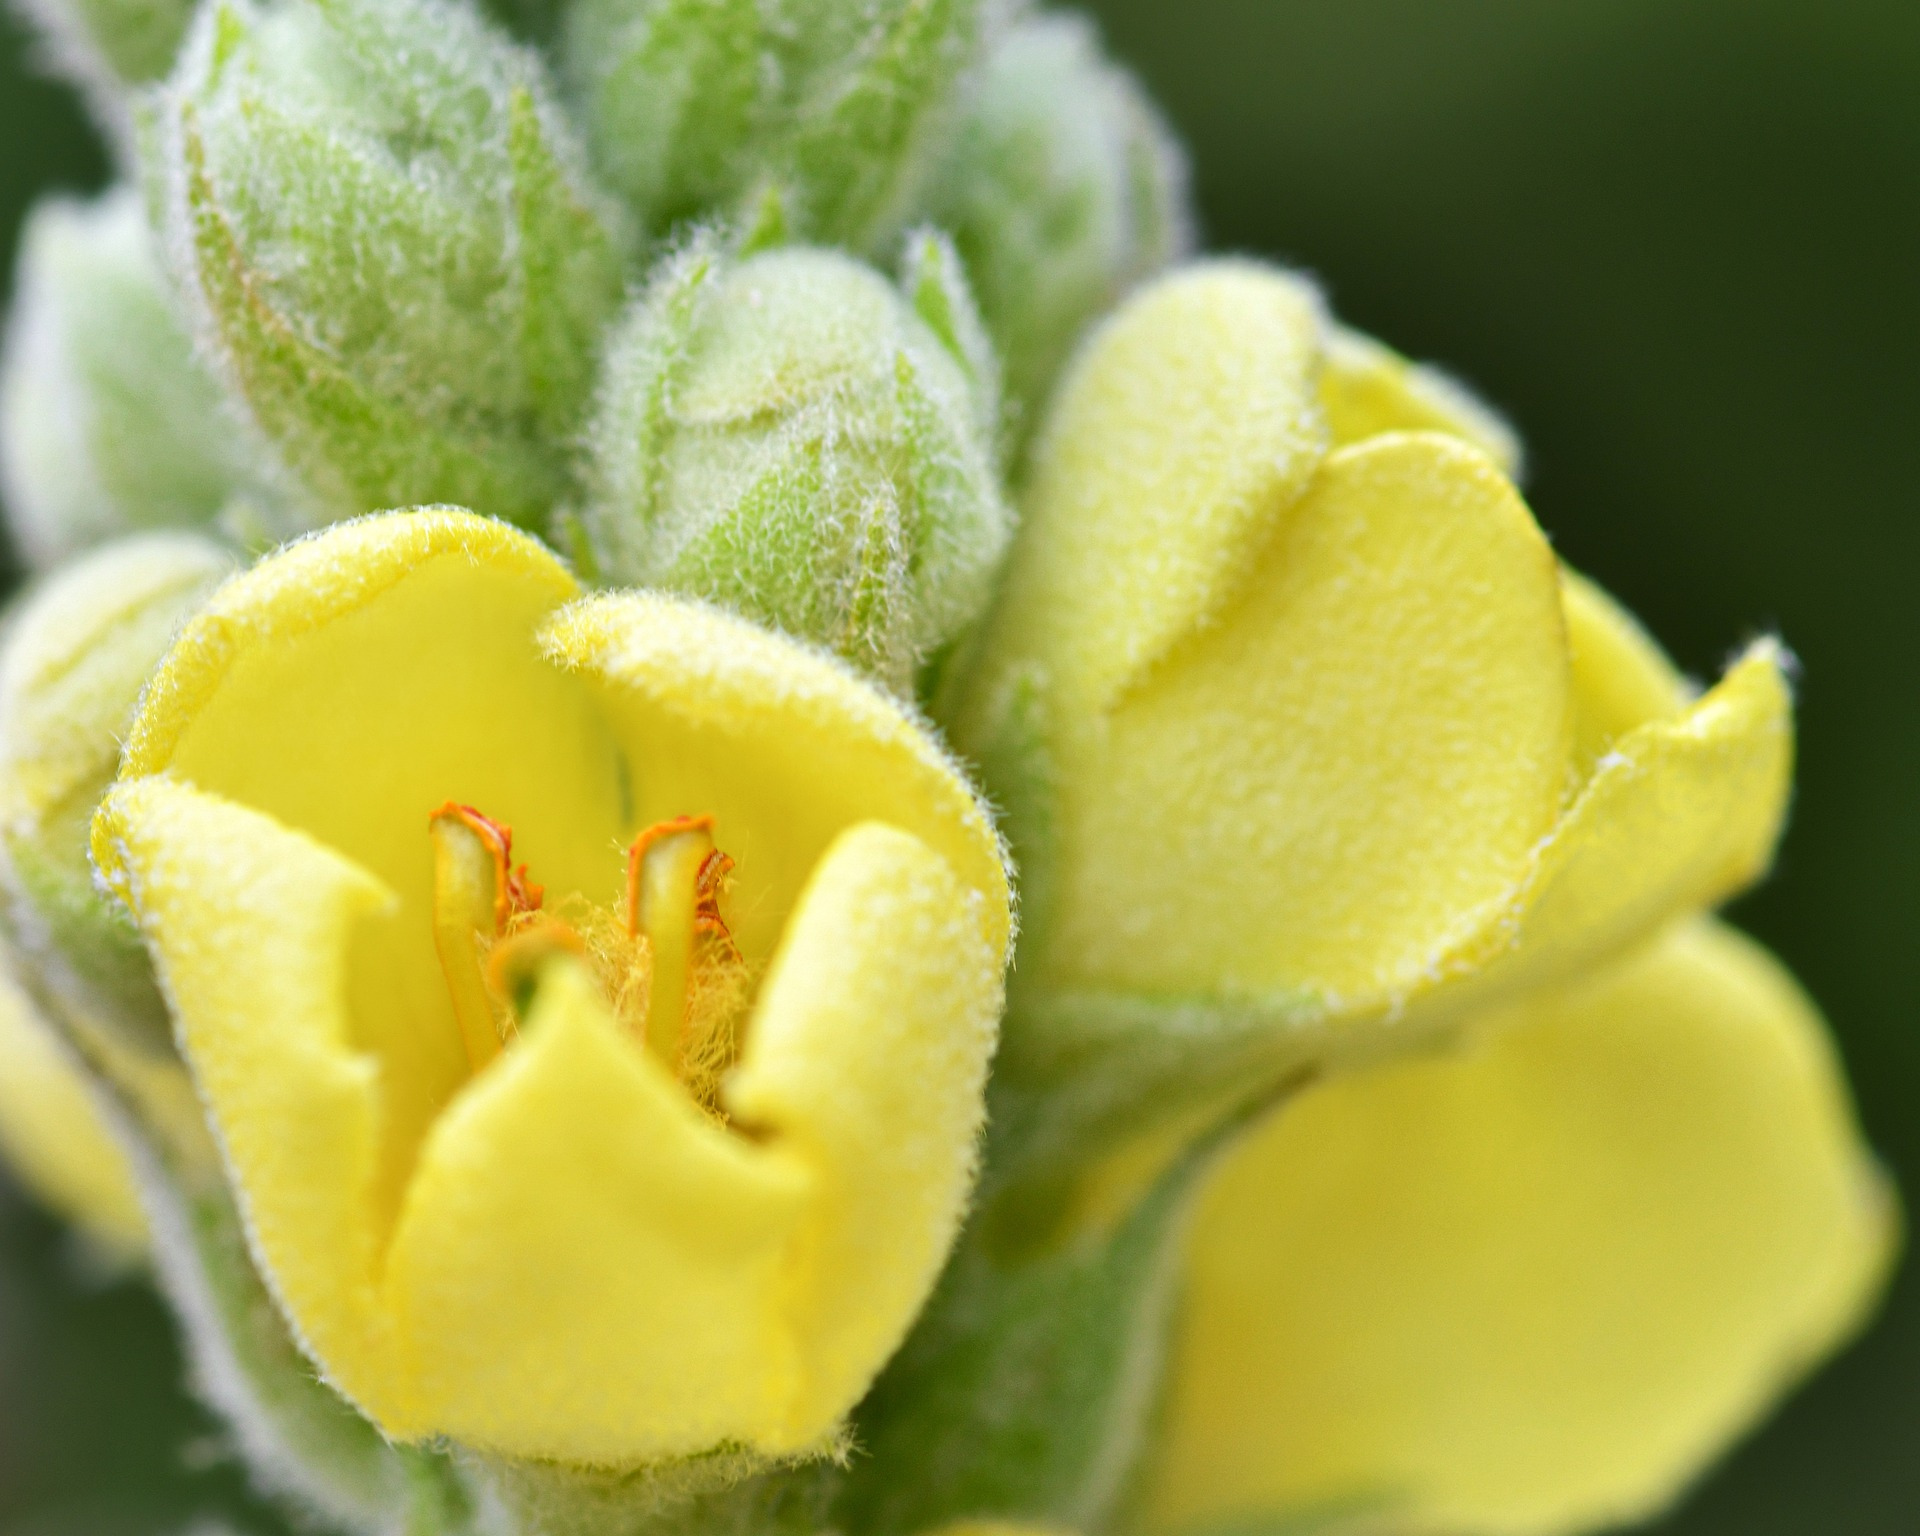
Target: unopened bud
[791, 437]
[1063, 187]
[78, 650]
[390, 247]
[696, 106]
[107, 424]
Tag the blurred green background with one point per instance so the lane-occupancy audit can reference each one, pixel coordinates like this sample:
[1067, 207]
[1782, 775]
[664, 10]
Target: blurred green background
[1681, 246]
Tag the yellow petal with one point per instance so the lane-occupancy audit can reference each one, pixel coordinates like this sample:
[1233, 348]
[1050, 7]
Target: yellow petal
[1367, 389]
[1621, 678]
[1187, 426]
[1328, 788]
[867, 1061]
[52, 1132]
[1679, 813]
[354, 682]
[721, 718]
[1530, 1287]
[252, 926]
[587, 1267]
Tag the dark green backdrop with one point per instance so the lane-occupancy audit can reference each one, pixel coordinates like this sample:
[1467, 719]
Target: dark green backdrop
[1681, 246]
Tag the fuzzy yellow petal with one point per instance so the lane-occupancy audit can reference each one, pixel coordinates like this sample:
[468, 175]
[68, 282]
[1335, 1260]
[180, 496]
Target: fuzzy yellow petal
[1367, 389]
[1621, 678]
[1679, 813]
[587, 1267]
[1325, 790]
[252, 926]
[867, 1062]
[353, 683]
[721, 718]
[1188, 424]
[1530, 1287]
[52, 1134]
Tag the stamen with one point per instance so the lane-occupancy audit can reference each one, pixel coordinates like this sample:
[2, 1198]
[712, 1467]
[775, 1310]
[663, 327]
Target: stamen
[476, 893]
[674, 879]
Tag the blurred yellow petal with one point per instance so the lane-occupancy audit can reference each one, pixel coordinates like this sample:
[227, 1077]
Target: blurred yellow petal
[1533, 1286]
[869, 1050]
[1187, 426]
[1621, 678]
[1367, 389]
[52, 1134]
[587, 1266]
[1327, 788]
[1680, 813]
[719, 714]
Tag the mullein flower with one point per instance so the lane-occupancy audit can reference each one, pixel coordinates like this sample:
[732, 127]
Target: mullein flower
[1313, 754]
[389, 248]
[1061, 187]
[834, 110]
[791, 435]
[107, 425]
[558, 1154]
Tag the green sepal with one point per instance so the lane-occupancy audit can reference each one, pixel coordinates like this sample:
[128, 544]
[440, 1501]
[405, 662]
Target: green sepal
[729, 1491]
[1027, 1389]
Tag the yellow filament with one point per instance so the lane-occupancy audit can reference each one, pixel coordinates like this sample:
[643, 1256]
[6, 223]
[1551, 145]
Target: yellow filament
[465, 903]
[664, 896]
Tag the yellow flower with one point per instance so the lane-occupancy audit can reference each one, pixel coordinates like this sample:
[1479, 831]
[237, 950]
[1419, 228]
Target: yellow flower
[661, 1156]
[52, 1133]
[1316, 755]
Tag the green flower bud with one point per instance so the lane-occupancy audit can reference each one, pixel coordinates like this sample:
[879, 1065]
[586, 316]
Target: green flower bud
[390, 249]
[790, 436]
[77, 651]
[695, 105]
[1063, 187]
[107, 424]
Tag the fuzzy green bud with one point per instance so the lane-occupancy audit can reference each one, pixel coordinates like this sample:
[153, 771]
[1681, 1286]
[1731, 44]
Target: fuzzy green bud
[836, 108]
[78, 649]
[1062, 188]
[107, 424]
[791, 436]
[391, 250]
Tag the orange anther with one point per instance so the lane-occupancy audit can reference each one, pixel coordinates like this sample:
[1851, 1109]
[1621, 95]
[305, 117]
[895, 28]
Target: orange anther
[513, 893]
[673, 826]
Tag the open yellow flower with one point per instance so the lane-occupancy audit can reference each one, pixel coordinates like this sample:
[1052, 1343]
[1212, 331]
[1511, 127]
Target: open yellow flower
[1317, 755]
[652, 1143]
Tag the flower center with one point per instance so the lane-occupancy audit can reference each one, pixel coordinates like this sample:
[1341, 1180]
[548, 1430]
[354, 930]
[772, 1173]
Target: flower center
[665, 961]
